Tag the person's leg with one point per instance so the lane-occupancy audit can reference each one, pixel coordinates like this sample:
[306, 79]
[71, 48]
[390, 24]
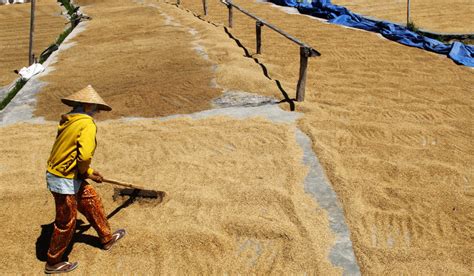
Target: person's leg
[64, 226]
[90, 205]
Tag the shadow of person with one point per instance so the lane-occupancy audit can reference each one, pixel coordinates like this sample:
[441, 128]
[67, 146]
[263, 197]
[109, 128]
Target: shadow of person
[42, 242]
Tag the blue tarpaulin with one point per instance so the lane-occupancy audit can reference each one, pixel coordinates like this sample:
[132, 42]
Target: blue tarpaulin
[459, 52]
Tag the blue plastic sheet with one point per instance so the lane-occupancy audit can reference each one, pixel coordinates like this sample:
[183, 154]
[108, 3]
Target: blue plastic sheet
[459, 52]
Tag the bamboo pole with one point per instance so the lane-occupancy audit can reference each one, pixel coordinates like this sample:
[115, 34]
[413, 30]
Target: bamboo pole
[258, 26]
[300, 87]
[408, 12]
[32, 30]
[305, 50]
[229, 6]
[204, 6]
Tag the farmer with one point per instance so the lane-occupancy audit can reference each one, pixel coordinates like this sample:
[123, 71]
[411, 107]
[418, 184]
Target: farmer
[68, 169]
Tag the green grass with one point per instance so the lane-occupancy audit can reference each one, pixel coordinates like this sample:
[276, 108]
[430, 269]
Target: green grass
[63, 36]
[12, 93]
[53, 47]
[71, 11]
[444, 38]
[412, 27]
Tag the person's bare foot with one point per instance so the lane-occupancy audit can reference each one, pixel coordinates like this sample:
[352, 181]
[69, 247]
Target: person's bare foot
[61, 267]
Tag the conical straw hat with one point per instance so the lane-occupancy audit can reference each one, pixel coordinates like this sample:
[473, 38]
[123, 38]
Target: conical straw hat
[86, 95]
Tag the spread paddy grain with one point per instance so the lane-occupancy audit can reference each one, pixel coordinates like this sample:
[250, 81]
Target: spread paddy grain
[235, 203]
[439, 16]
[392, 126]
[15, 31]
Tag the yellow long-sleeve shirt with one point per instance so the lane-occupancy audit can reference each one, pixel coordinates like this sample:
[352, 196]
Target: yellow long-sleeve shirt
[75, 144]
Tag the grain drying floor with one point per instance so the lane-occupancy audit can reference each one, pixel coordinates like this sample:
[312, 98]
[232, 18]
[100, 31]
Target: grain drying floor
[393, 127]
[236, 200]
[156, 65]
[15, 31]
[440, 16]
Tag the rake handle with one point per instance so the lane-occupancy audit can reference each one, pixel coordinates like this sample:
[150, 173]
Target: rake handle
[120, 183]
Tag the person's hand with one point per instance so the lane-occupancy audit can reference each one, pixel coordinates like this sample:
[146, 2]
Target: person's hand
[96, 177]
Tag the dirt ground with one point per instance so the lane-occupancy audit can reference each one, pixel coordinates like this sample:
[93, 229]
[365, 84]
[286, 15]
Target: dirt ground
[236, 201]
[392, 126]
[15, 31]
[440, 16]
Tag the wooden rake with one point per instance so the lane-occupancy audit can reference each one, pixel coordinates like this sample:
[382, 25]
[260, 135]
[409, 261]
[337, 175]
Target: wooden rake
[135, 190]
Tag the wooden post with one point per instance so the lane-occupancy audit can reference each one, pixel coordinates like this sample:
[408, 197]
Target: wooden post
[300, 87]
[204, 5]
[408, 12]
[229, 6]
[258, 26]
[32, 30]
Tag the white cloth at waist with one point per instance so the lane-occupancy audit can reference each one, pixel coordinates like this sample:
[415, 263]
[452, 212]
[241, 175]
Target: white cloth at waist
[62, 185]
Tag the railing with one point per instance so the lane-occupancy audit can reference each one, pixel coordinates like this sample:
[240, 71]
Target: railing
[306, 51]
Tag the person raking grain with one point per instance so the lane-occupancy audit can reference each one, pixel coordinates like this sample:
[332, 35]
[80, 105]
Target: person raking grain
[68, 169]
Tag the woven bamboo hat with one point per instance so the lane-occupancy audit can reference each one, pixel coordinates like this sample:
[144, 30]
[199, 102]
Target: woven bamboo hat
[86, 95]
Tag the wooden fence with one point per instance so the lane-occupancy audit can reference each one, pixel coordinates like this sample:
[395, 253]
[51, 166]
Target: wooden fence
[306, 51]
